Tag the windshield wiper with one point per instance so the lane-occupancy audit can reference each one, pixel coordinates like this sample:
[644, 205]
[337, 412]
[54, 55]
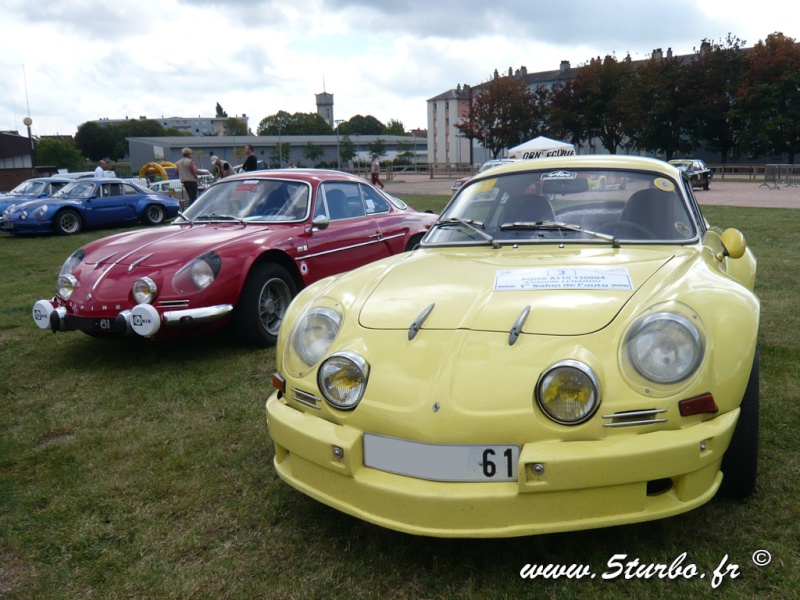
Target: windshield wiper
[558, 225]
[216, 217]
[475, 226]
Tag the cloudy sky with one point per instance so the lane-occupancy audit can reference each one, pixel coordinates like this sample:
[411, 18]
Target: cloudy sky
[64, 63]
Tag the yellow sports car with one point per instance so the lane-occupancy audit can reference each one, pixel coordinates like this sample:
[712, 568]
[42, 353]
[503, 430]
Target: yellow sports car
[551, 358]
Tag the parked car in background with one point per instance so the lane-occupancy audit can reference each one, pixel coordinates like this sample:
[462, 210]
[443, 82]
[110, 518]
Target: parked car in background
[487, 165]
[699, 174]
[38, 187]
[237, 255]
[89, 204]
[551, 358]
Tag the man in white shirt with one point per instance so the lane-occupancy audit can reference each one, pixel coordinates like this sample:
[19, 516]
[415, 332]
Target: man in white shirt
[100, 171]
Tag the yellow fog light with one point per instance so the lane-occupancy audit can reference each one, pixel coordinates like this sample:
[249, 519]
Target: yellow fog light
[568, 392]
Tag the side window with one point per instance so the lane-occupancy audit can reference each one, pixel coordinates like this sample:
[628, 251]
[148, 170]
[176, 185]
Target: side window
[342, 201]
[111, 189]
[374, 202]
[129, 190]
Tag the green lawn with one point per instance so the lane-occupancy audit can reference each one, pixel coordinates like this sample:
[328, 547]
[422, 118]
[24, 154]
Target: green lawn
[143, 470]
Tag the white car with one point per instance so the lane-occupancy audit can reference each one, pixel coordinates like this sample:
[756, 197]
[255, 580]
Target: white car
[495, 162]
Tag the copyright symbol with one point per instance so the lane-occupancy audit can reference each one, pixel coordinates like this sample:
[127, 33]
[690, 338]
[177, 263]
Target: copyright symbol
[761, 558]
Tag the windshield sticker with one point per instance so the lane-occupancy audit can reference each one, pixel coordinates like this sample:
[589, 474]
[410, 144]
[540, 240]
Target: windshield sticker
[665, 185]
[562, 279]
[559, 176]
[246, 186]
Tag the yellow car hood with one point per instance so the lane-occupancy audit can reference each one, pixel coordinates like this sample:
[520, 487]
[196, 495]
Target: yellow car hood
[573, 292]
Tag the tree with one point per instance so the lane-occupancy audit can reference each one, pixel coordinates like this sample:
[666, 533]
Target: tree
[94, 141]
[769, 96]
[362, 125]
[61, 154]
[313, 152]
[600, 89]
[282, 123]
[658, 108]
[500, 114]
[220, 113]
[405, 153]
[377, 147]
[234, 126]
[347, 149]
[280, 153]
[394, 127]
[713, 79]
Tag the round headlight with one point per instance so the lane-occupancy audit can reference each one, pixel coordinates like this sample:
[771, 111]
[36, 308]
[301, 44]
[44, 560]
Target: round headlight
[568, 392]
[314, 334]
[65, 286]
[39, 211]
[144, 290]
[342, 379]
[664, 347]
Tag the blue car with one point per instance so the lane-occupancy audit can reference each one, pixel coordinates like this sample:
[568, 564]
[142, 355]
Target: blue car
[90, 204]
[38, 187]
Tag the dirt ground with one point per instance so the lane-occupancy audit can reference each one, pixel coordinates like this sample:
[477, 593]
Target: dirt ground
[729, 193]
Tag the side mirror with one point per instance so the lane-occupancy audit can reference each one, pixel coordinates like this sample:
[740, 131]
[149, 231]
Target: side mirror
[733, 244]
[319, 223]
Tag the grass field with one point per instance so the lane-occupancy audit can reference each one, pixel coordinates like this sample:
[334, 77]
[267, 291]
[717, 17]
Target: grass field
[143, 470]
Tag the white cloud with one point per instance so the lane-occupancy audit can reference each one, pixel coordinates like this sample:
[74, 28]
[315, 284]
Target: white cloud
[88, 59]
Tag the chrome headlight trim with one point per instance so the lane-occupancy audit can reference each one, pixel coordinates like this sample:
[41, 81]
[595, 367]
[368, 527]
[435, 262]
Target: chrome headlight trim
[144, 290]
[568, 392]
[314, 333]
[342, 379]
[65, 286]
[664, 347]
[72, 263]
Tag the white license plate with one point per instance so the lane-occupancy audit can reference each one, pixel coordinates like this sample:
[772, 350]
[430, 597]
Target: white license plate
[441, 462]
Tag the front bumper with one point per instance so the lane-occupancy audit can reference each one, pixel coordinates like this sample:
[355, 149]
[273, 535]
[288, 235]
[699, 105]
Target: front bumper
[583, 485]
[143, 320]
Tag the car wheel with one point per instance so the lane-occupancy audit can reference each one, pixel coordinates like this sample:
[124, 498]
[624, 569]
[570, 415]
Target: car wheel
[263, 303]
[154, 214]
[67, 222]
[413, 242]
[740, 463]
[706, 185]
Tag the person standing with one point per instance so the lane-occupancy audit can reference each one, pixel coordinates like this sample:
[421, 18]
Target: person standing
[100, 170]
[187, 173]
[376, 171]
[250, 163]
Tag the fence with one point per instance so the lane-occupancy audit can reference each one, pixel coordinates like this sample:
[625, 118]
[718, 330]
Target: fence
[781, 175]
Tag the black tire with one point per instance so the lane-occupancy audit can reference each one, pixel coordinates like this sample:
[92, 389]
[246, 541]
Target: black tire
[154, 214]
[67, 222]
[740, 463]
[413, 242]
[262, 304]
[706, 185]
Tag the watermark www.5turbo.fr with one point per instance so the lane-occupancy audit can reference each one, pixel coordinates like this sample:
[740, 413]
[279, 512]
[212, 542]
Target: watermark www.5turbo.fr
[621, 566]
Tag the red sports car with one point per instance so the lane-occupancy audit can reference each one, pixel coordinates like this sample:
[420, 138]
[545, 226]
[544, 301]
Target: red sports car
[239, 254]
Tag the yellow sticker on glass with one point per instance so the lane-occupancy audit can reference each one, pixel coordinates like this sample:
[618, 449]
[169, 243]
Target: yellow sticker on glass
[665, 185]
[484, 186]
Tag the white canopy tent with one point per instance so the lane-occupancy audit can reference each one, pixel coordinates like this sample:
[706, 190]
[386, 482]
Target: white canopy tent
[541, 147]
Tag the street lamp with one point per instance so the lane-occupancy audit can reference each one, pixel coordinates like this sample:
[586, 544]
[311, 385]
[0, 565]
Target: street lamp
[280, 149]
[336, 125]
[28, 122]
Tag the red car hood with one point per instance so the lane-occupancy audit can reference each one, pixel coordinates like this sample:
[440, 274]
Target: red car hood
[163, 246]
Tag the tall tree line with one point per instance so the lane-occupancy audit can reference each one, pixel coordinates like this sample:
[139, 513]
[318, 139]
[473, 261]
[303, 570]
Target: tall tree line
[724, 98]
